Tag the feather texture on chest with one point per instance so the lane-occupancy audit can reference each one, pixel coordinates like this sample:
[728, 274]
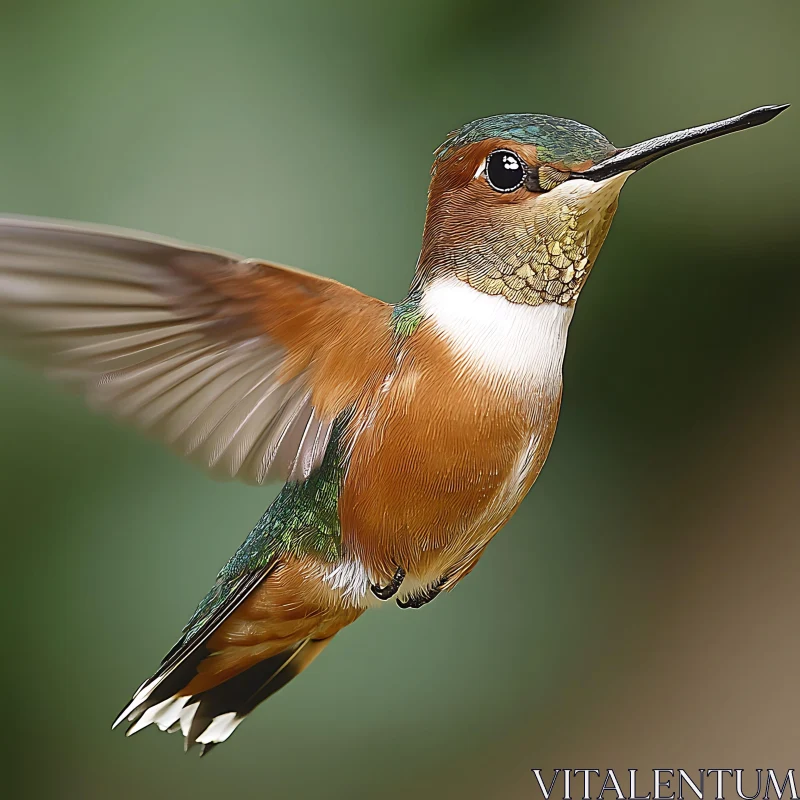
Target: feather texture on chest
[445, 449]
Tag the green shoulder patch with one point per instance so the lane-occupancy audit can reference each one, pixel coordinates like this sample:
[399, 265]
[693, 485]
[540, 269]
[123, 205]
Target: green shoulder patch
[407, 315]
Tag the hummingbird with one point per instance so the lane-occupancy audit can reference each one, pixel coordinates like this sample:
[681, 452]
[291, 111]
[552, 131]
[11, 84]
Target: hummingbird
[406, 434]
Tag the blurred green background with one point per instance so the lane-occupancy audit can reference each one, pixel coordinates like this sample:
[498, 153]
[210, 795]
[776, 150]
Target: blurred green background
[640, 610]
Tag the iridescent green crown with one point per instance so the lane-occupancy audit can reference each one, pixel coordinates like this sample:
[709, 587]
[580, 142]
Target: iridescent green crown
[556, 139]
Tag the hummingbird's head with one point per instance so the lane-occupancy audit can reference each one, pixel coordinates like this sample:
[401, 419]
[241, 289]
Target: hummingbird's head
[519, 204]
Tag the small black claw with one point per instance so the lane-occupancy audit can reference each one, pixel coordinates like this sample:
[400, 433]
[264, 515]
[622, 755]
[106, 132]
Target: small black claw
[390, 590]
[420, 599]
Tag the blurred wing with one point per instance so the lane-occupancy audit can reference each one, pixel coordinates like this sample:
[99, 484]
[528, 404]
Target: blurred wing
[242, 366]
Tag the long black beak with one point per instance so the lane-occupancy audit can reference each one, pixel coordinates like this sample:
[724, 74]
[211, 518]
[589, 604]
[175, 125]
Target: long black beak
[640, 155]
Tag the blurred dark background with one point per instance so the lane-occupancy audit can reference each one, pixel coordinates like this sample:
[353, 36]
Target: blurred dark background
[641, 609]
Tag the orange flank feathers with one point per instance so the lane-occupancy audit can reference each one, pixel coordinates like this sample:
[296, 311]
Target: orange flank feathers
[291, 605]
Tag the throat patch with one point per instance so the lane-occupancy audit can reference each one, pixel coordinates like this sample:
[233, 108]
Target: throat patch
[531, 270]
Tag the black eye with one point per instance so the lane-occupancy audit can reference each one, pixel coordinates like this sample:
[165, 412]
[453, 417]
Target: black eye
[505, 171]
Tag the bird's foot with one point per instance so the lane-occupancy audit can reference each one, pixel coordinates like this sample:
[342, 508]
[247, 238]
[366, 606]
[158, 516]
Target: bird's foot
[421, 598]
[390, 590]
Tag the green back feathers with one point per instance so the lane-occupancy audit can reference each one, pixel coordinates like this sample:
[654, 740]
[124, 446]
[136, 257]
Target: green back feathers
[303, 518]
[556, 139]
[407, 315]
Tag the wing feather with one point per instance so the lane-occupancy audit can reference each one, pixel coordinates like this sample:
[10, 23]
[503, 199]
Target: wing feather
[239, 365]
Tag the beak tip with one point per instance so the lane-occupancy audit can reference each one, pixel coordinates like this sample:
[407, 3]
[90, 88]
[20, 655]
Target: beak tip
[639, 155]
[766, 113]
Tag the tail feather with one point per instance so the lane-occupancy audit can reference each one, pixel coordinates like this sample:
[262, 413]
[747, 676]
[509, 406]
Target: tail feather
[249, 637]
[210, 717]
[223, 708]
[151, 697]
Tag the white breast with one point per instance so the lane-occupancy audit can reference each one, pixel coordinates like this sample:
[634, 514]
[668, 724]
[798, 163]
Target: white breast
[516, 343]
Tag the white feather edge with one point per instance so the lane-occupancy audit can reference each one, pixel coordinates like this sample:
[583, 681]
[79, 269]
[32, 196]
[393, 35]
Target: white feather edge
[174, 710]
[164, 715]
[143, 692]
[220, 728]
